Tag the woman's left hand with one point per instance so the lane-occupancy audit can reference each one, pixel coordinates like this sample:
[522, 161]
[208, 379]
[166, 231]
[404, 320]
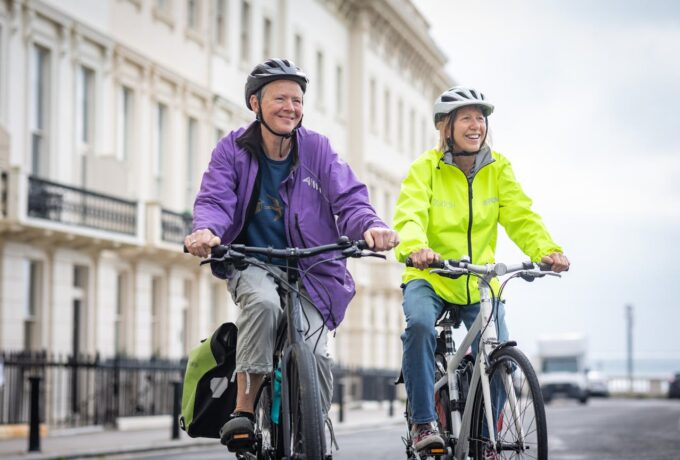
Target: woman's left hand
[557, 261]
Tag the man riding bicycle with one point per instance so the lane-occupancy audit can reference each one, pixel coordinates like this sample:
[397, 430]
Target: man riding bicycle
[450, 205]
[275, 183]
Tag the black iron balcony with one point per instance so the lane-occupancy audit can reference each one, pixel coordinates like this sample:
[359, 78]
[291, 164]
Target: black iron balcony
[175, 226]
[74, 206]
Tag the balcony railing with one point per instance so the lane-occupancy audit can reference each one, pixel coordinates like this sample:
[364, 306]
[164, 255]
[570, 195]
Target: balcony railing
[175, 226]
[75, 206]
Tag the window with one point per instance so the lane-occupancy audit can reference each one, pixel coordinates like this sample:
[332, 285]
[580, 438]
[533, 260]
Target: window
[156, 316]
[33, 277]
[319, 79]
[386, 130]
[423, 130]
[80, 302]
[161, 138]
[193, 15]
[184, 338]
[340, 93]
[245, 31]
[40, 86]
[372, 101]
[221, 23]
[400, 125]
[267, 38]
[125, 115]
[85, 105]
[119, 318]
[162, 11]
[219, 134]
[412, 132]
[191, 149]
[216, 304]
[298, 49]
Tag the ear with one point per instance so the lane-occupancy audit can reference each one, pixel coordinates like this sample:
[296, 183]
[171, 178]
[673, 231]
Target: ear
[254, 103]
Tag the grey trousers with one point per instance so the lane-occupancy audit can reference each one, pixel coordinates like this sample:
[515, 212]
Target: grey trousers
[254, 291]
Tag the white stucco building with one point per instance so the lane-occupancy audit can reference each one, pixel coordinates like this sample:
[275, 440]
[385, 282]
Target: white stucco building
[109, 110]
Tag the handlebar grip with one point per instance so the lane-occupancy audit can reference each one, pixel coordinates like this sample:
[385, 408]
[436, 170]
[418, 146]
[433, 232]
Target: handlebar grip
[435, 264]
[547, 267]
[361, 244]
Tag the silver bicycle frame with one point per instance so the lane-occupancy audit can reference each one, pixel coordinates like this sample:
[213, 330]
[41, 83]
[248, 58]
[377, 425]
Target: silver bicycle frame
[460, 427]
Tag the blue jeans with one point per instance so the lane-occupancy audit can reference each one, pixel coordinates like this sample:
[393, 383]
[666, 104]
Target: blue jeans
[422, 307]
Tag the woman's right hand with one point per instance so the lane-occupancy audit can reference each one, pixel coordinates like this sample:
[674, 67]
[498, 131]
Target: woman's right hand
[423, 258]
[200, 242]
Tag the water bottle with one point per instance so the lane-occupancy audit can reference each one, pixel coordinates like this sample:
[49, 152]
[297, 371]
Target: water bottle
[276, 397]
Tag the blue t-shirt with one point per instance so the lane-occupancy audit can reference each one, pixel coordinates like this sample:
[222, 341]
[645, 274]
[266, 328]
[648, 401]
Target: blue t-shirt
[266, 227]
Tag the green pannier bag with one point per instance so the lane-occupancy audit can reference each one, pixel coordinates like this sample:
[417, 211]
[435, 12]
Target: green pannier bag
[209, 391]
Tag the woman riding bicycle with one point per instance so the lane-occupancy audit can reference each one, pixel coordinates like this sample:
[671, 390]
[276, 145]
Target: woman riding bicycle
[275, 183]
[450, 205]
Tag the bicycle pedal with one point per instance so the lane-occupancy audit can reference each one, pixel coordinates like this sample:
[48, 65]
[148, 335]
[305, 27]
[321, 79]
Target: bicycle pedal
[434, 453]
[239, 442]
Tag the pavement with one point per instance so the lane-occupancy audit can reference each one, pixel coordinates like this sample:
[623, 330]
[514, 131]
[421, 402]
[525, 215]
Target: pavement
[138, 437]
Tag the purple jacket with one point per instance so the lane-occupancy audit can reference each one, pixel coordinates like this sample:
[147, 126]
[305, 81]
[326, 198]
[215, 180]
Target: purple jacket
[323, 197]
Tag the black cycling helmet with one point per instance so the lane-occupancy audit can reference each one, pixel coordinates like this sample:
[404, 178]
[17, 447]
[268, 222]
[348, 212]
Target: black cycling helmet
[272, 70]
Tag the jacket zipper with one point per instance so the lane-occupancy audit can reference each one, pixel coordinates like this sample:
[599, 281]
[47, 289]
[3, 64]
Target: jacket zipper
[469, 236]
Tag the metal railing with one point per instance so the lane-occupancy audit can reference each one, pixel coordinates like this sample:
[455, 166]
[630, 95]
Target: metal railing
[175, 226]
[86, 390]
[75, 206]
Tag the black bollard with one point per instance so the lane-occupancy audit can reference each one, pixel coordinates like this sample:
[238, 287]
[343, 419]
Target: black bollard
[177, 402]
[341, 401]
[391, 390]
[34, 428]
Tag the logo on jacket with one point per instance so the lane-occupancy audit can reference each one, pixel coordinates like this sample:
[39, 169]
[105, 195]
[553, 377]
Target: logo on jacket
[312, 183]
[437, 203]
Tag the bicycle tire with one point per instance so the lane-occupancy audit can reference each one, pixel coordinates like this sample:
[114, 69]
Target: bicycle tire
[530, 410]
[269, 434]
[306, 415]
[441, 400]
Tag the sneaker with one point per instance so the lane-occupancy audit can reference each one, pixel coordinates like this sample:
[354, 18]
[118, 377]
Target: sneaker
[426, 436]
[239, 432]
[490, 455]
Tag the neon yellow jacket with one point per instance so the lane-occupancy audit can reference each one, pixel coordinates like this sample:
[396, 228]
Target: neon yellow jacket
[438, 208]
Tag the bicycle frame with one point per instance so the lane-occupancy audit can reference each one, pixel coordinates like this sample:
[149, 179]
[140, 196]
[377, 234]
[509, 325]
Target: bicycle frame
[488, 342]
[486, 324]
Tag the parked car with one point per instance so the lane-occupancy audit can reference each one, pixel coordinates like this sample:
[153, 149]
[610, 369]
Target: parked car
[674, 386]
[598, 384]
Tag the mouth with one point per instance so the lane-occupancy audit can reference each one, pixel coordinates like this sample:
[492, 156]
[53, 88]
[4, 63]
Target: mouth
[473, 137]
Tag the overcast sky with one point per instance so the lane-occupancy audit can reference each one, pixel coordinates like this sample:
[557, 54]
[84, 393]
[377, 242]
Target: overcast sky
[586, 95]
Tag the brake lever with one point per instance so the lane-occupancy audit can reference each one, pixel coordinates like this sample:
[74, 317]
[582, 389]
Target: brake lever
[448, 273]
[370, 254]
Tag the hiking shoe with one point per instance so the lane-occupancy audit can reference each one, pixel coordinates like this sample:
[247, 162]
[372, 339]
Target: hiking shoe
[426, 436]
[239, 432]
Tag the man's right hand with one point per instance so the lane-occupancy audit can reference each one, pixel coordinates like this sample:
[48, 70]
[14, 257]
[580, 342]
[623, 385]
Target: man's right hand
[200, 242]
[423, 258]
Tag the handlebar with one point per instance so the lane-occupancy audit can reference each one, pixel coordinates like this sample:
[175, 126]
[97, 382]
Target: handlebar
[231, 253]
[456, 268]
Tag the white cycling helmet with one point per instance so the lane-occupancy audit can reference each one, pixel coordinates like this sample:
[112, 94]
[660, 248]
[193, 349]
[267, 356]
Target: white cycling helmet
[457, 97]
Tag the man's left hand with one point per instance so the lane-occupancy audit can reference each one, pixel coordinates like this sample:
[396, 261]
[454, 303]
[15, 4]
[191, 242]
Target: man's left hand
[381, 239]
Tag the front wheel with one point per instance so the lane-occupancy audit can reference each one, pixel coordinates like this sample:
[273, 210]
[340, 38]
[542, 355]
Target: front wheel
[517, 410]
[306, 415]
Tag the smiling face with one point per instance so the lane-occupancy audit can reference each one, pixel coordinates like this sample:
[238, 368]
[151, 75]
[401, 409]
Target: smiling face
[281, 105]
[469, 129]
